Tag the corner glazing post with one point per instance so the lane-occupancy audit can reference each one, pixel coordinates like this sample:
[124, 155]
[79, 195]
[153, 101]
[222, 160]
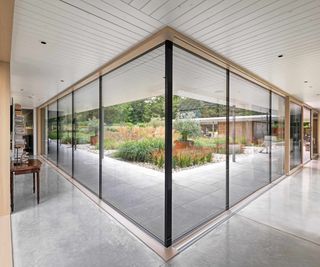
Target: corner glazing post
[168, 144]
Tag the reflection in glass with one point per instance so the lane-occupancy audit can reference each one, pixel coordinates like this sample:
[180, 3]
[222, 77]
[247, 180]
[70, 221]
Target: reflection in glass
[277, 136]
[199, 141]
[44, 129]
[306, 134]
[315, 134]
[86, 148]
[52, 132]
[133, 163]
[295, 135]
[249, 138]
[65, 133]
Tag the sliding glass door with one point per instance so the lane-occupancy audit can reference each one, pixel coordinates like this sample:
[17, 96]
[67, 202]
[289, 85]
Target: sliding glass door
[249, 138]
[52, 132]
[199, 114]
[306, 134]
[277, 136]
[134, 139]
[65, 133]
[295, 135]
[86, 136]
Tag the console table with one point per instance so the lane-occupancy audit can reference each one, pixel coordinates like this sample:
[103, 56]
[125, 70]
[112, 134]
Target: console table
[33, 166]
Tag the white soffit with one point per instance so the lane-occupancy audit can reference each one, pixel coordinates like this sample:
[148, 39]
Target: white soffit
[82, 35]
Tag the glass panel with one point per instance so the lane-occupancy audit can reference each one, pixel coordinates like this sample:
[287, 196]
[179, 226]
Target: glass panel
[52, 132]
[44, 129]
[199, 138]
[306, 134]
[86, 149]
[295, 135]
[249, 138]
[133, 164]
[65, 133]
[315, 133]
[277, 136]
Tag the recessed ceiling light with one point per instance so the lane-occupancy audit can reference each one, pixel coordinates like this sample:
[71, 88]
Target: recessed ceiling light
[305, 81]
[43, 42]
[21, 90]
[62, 81]
[280, 55]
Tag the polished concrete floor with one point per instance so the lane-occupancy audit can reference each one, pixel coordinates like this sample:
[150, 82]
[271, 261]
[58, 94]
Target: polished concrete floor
[280, 228]
[198, 193]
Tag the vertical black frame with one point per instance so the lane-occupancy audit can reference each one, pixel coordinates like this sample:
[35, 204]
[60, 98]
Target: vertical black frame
[270, 136]
[168, 144]
[101, 136]
[227, 138]
[72, 133]
[58, 134]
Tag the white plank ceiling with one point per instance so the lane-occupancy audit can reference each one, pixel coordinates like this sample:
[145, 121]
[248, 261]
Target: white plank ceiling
[82, 35]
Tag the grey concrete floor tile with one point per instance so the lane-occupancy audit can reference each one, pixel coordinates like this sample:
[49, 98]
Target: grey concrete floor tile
[241, 242]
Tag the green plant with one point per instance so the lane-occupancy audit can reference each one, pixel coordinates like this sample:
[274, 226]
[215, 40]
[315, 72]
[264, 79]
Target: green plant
[187, 128]
[209, 142]
[53, 135]
[93, 125]
[182, 158]
[141, 150]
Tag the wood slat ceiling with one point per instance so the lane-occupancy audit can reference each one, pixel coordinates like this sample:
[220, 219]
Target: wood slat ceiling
[82, 35]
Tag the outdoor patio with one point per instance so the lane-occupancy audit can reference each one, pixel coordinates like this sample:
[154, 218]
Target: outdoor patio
[198, 192]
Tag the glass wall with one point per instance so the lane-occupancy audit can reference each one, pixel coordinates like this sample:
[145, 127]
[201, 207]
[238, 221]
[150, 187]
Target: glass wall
[199, 141]
[52, 132]
[65, 133]
[295, 135]
[306, 134]
[249, 138]
[277, 136]
[44, 131]
[315, 133]
[86, 136]
[127, 169]
[133, 163]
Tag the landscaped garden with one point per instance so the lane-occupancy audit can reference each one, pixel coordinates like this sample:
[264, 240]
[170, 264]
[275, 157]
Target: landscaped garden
[135, 132]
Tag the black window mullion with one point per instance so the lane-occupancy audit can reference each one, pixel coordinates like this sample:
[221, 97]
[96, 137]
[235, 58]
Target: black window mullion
[72, 132]
[168, 143]
[270, 137]
[227, 138]
[101, 136]
[58, 137]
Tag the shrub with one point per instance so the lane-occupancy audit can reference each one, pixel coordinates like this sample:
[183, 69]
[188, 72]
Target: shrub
[66, 139]
[182, 158]
[111, 144]
[187, 128]
[141, 150]
[93, 125]
[53, 135]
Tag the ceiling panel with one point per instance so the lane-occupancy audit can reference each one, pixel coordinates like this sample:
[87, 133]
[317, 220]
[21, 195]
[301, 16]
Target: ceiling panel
[82, 35]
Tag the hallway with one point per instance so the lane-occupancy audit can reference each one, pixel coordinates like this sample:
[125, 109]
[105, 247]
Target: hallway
[279, 228]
